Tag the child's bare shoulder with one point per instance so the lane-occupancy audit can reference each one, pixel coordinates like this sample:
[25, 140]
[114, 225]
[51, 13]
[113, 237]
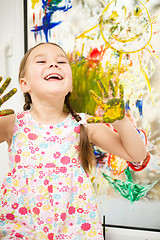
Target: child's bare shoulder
[7, 127]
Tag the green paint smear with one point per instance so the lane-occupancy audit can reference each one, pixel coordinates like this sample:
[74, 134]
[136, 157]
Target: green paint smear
[86, 73]
[84, 79]
[56, 2]
[128, 189]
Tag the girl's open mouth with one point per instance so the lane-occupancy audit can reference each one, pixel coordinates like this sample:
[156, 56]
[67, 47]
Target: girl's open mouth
[53, 76]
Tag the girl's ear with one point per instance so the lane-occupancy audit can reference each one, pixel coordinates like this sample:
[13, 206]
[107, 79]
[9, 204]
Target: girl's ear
[24, 85]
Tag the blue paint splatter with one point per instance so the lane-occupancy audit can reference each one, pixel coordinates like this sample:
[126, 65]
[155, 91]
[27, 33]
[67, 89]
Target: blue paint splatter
[127, 107]
[50, 7]
[139, 105]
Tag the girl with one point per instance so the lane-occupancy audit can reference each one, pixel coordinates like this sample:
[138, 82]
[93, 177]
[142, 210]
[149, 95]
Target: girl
[47, 193]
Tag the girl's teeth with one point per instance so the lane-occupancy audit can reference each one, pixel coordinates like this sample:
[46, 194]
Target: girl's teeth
[54, 76]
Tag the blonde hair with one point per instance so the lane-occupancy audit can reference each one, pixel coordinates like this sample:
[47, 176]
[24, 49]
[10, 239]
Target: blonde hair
[86, 152]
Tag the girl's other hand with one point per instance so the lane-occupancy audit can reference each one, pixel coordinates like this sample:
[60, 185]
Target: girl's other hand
[6, 96]
[112, 108]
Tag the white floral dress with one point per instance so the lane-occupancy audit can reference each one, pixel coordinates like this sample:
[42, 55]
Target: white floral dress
[47, 194]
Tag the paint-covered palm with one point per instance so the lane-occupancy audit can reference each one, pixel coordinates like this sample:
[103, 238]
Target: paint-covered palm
[112, 108]
[6, 96]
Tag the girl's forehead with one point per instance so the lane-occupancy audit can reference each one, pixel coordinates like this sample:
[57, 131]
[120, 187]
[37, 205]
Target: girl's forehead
[47, 49]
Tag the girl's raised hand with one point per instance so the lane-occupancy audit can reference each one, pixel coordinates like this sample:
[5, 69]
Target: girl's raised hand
[112, 108]
[6, 96]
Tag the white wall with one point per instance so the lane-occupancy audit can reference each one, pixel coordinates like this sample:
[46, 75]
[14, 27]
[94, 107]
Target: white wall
[11, 32]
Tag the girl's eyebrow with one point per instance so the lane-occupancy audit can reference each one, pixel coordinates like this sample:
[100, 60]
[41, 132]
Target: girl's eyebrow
[39, 55]
[44, 55]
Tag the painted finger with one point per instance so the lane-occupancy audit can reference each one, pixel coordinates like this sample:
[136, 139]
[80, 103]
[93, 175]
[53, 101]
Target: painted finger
[112, 88]
[8, 96]
[5, 85]
[96, 98]
[95, 120]
[102, 89]
[6, 112]
[121, 90]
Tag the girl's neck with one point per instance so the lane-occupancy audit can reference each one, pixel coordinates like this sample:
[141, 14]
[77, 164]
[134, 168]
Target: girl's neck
[48, 114]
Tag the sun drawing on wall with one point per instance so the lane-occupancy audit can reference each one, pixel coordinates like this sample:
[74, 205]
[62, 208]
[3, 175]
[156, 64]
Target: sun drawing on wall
[118, 48]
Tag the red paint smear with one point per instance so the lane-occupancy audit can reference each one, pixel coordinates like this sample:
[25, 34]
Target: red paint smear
[97, 55]
[33, 18]
[40, 14]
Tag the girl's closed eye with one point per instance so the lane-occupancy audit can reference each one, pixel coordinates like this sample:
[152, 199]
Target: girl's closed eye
[62, 62]
[41, 61]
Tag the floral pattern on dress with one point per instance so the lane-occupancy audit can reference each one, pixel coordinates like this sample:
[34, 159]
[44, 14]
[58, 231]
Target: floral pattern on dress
[47, 194]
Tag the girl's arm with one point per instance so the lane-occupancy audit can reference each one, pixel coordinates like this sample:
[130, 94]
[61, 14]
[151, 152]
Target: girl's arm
[125, 143]
[6, 128]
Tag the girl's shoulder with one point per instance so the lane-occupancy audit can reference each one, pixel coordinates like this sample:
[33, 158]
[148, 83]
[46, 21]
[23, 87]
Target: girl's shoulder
[7, 124]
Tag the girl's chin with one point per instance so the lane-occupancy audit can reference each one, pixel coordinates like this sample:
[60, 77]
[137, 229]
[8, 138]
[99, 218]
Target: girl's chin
[58, 93]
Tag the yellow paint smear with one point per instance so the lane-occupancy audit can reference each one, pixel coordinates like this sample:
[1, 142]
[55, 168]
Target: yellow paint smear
[34, 3]
[146, 77]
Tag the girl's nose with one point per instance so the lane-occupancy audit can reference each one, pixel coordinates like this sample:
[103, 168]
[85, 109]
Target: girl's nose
[53, 65]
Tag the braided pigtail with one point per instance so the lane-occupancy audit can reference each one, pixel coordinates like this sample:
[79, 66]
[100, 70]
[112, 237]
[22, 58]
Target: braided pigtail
[28, 101]
[86, 151]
